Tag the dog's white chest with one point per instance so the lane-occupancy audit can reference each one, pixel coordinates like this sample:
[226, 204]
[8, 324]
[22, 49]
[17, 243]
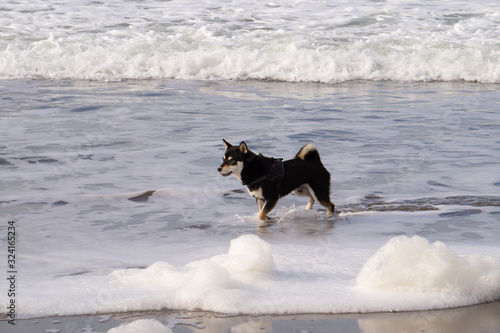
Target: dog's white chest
[256, 193]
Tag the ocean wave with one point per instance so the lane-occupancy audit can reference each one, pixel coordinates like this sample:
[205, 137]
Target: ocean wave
[292, 59]
[293, 42]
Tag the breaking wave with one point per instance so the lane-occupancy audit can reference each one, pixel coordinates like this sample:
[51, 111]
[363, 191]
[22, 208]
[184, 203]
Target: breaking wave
[299, 42]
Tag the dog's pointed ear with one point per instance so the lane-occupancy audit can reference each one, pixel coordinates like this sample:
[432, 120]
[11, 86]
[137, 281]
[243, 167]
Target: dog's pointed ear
[243, 147]
[226, 144]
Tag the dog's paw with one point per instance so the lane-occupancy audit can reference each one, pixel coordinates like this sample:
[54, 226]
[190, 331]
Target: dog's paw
[263, 216]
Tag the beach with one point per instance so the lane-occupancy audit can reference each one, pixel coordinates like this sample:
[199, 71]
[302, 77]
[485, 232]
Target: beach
[113, 211]
[481, 318]
[86, 192]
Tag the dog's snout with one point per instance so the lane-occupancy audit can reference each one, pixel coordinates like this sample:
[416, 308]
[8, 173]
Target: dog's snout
[219, 169]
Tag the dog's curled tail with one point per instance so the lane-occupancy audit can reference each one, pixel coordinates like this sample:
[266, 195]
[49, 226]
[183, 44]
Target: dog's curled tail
[308, 153]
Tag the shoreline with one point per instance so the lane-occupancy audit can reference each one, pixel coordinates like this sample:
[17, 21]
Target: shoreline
[384, 174]
[482, 318]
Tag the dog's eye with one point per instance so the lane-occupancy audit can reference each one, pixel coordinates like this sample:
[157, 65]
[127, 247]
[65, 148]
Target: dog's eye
[233, 162]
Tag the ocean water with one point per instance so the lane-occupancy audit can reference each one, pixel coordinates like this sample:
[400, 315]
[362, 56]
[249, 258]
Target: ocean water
[112, 118]
[293, 41]
[119, 206]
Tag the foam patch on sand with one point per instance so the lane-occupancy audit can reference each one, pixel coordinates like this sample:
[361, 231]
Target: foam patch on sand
[220, 283]
[413, 265]
[254, 277]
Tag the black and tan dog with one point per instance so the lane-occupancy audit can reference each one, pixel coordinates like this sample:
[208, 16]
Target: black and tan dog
[268, 179]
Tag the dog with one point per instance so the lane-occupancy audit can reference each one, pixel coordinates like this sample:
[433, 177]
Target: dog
[268, 179]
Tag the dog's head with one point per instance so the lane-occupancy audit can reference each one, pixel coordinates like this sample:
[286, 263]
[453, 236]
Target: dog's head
[232, 161]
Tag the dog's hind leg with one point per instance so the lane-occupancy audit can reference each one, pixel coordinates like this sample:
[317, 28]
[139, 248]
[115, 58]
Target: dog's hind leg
[268, 207]
[323, 197]
[306, 191]
[310, 203]
[330, 207]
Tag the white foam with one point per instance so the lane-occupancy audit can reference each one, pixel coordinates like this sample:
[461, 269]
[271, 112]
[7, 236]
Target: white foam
[371, 41]
[253, 278]
[141, 325]
[220, 283]
[285, 214]
[72, 253]
[414, 266]
[248, 254]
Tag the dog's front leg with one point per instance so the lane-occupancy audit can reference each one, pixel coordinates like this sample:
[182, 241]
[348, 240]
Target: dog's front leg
[268, 207]
[260, 203]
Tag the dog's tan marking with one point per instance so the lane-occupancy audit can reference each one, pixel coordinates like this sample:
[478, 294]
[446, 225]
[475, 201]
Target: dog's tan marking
[266, 210]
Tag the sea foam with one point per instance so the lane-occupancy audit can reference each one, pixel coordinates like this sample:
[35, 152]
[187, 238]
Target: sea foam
[221, 283]
[414, 266]
[257, 278]
[298, 42]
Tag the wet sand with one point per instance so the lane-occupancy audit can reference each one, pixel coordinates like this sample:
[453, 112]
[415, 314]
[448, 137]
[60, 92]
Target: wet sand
[484, 318]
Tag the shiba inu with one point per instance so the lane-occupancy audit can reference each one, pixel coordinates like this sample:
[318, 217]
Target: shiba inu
[268, 179]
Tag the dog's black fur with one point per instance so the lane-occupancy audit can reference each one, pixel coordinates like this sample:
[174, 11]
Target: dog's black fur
[303, 175]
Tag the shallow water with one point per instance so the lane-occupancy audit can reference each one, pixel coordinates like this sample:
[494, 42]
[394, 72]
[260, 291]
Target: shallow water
[80, 157]
[480, 318]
